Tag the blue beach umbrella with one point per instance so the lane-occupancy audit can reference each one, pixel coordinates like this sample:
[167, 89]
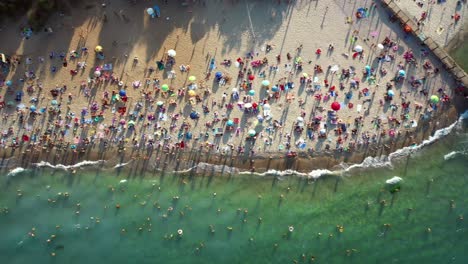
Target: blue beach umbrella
[402, 73]
[230, 123]
[275, 88]
[122, 93]
[33, 108]
[9, 83]
[193, 115]
[219, 75]
[391, 93]
[251, 92]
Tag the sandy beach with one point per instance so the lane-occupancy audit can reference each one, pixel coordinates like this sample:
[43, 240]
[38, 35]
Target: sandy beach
[251, 84]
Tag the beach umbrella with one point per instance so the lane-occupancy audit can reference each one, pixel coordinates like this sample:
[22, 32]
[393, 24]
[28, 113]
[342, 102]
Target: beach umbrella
[218, 75]
[305, 75]
[20, 106]
[266, 107]
[136, 84]
[171, 53]
[9, 83]
[122, 122]
[334, 68]
[266, 83]
[251, 77]
[150, 11]
[248, 105]
[434, 99]
[390, 93]
[230, 123]
[122, 93]
[192, 78]
[54, 102]
[97, 73]
[358, 48]
[25, 138]
[380, 46]
[323, 131]
[252, 132]
[251, 92]
[165, 87]
[402, 73]
[192, 93]
[275, 88]
[193, 115]
[159, 103]
[33, 108]
[300, 119]
[131, 123]
[335, 106]
[234, 90]
[98, 48]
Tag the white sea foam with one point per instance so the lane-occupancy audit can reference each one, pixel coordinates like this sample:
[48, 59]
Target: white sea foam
[16, 171]
[451, 155]
[68, 167]
[394, 180]
[120, 165]
[369, 162]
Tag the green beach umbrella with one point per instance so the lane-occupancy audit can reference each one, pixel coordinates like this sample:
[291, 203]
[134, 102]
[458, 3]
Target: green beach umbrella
[434, 99]
[192, 78]
[266, 83]
[165, 87]
[131, 123]
[252, 132]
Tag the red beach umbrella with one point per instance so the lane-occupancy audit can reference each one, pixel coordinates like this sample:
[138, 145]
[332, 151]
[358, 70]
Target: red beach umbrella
[251, 77]
[335, 106]
[25, 138]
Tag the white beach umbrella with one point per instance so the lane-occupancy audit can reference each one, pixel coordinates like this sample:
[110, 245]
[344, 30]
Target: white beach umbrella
[334, 68]
[380, 46]
[171, 53]
[358, 48]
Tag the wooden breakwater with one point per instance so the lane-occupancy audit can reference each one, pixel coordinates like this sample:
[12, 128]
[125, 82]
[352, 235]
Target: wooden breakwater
[447, 61]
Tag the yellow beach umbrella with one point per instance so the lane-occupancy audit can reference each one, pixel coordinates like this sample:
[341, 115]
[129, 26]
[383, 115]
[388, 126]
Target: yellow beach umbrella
[192, 93]
[98, 48]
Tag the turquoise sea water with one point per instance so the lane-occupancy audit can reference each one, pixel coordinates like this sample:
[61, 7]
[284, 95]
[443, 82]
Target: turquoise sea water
[424, 219]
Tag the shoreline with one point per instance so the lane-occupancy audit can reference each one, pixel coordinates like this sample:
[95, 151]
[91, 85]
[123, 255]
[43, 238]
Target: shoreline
[184, 161]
